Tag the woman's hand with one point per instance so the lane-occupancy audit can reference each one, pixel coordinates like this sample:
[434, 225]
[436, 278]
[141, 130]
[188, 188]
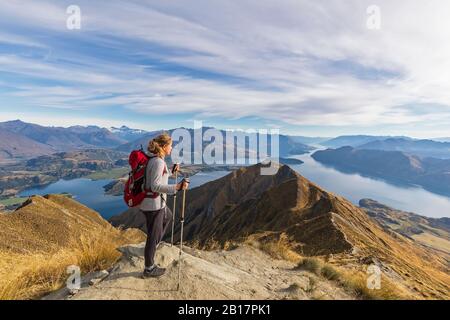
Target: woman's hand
[183, 185]
[175, 168]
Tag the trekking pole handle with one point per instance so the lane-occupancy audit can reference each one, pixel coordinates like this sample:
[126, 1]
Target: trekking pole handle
[186, 180]
[173, 168]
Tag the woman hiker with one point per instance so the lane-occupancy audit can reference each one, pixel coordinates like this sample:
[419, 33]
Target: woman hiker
[158, 215]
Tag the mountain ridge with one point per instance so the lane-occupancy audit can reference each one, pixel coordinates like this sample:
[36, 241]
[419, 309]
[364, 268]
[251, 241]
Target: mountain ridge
[244, 206]
[433, 233]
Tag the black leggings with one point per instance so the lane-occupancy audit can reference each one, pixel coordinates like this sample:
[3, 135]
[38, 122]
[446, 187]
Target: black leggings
[157, 223]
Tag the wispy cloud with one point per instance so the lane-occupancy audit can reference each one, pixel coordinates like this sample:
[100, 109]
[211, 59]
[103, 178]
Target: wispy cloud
[300, 62]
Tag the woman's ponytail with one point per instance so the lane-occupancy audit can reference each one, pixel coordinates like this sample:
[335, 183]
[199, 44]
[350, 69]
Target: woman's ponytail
[157, 144]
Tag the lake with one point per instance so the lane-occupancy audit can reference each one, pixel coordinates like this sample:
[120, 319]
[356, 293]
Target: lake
[351, 186]
[355, 187]
[91, 192]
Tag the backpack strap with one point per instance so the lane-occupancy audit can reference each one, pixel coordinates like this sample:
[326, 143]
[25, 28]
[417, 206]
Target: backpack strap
[150, 194]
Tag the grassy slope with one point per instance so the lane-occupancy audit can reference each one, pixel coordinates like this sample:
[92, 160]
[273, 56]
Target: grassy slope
[39, 241]
[13, 201]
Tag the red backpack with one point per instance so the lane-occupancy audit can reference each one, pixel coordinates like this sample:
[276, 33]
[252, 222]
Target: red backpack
[135, 191]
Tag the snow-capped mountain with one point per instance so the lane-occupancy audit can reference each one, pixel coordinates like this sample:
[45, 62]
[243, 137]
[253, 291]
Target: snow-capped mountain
[127, 134]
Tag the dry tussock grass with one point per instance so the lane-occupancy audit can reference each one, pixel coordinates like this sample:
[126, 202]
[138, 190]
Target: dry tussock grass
[31, 275]
[279, 249]
[355, 282]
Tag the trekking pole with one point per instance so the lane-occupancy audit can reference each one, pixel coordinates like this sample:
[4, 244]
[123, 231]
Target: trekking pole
[174, 207]
[181, 235]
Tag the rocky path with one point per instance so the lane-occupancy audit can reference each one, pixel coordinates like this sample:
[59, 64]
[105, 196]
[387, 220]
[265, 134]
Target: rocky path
[242, 273]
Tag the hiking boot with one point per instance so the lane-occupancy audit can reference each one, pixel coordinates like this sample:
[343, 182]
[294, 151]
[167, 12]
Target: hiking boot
[153, 272]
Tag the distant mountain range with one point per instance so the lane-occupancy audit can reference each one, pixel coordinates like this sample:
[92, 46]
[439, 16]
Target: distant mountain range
[20, 140]
[40, 140]
[437, 148]
[430, 173]
[26, 140]
[309, 140]
[421, 148]
[287, 145]
[356, 140]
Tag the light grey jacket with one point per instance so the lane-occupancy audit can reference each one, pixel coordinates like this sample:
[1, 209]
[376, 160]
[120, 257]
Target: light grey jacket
[157, 179]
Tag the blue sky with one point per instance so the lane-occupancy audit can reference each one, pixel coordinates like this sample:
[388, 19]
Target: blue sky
[305, 67]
